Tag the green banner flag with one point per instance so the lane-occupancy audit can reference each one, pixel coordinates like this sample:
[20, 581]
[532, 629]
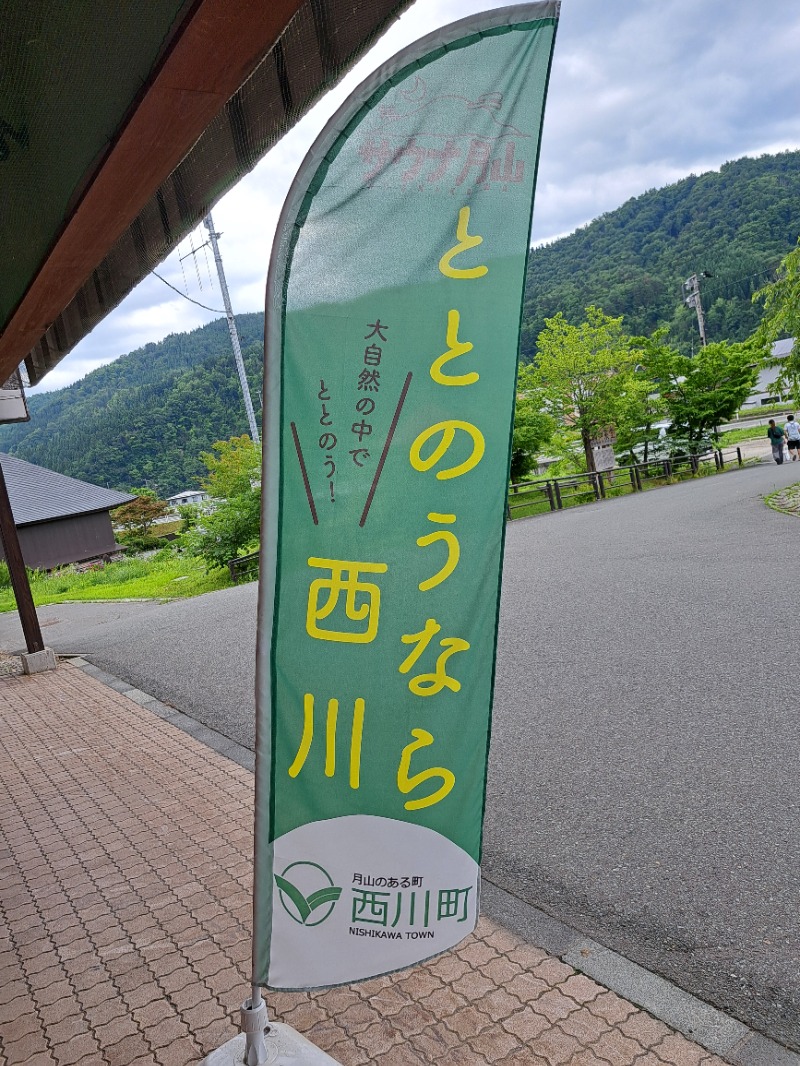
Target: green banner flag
[393, 313]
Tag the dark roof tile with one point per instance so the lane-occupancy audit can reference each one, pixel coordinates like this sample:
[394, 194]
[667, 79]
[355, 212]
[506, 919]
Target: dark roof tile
[38, 494]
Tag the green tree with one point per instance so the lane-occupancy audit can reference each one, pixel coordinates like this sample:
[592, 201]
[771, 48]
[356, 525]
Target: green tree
[587, 374]
[700, 393]
[233, 527]
[641, 408]
[190, 515]
[781, 318]
[533, 426]
[233, 466]
[233, 479]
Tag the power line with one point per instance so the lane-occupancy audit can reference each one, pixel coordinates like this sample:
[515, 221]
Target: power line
[723, 279]
[216, 310]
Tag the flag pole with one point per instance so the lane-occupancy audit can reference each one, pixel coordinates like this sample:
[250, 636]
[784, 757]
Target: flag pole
[255, 1024]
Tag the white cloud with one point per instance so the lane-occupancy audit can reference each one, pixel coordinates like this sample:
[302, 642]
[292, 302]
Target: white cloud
[643, 92]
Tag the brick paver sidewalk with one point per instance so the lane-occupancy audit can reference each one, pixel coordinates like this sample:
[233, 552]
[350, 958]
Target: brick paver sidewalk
[125, 876]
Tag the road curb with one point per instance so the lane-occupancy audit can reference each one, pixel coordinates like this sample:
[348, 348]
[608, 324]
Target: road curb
[205, 734]
[698, 1021]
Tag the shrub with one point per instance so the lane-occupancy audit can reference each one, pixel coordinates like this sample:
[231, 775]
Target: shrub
[140, 543]
[233, 528]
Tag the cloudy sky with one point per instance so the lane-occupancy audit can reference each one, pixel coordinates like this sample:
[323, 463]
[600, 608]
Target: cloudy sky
[642, 93]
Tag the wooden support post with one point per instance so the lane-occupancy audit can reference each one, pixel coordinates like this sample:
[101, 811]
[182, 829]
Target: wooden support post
[18, 573]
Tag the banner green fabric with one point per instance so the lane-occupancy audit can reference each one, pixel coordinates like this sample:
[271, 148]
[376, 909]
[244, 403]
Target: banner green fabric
[393, 315]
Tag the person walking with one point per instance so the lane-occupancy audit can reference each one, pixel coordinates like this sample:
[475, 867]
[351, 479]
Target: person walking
[792, 431]
[776, 437]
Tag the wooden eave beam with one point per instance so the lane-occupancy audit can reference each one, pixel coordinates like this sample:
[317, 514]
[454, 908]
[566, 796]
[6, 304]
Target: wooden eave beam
[220, 46]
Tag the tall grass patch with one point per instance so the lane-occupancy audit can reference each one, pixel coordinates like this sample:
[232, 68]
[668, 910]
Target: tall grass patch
[165, 575]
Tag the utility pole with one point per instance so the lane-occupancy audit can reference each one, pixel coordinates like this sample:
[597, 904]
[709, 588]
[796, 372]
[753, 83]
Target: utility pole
[691, 297]
[237, 351]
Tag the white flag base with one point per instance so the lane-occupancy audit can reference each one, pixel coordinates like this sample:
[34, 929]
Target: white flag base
[284, 1047]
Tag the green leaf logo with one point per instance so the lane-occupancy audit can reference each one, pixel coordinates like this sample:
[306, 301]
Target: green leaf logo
[310, 890]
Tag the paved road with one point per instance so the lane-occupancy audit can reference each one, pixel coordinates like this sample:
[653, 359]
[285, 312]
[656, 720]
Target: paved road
[644, 780]
[644, 771]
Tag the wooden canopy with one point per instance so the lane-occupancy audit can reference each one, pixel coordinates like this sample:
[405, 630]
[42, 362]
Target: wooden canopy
[122, 123]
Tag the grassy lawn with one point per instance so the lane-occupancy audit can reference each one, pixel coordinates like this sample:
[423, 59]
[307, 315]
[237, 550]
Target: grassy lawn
[166, 575]
[163, 528]
[736, 436]
[780, 410]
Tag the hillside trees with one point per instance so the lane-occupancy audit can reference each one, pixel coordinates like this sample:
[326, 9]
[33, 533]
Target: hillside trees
[148, 415]
[737, 223]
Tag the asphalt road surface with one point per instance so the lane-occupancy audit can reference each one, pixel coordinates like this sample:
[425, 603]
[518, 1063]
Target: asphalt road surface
[646, 747]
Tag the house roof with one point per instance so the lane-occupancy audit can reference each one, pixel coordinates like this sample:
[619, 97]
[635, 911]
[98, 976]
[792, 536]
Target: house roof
[123, 123]
[782, 347]
[187, 492]
[40, 495]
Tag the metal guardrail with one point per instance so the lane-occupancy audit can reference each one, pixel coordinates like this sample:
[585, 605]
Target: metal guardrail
[244, 566]
[559, 492]
[567, 491]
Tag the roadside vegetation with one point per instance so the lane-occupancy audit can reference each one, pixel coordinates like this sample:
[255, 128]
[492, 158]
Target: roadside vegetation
[635, 395]
[192, 561]
[532, 498]
[233, 481]
[591, 387]
[732, 437]
[164, 575]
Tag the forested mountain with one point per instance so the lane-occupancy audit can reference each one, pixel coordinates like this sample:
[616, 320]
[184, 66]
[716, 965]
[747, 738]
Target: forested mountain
[736, 223]
[146, 417]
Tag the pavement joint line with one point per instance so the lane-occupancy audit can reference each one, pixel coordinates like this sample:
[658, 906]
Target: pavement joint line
[697, 1020]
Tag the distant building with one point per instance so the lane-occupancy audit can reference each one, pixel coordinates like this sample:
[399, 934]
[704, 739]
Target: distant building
[59, 519]
[764, 392]
[180, 499]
